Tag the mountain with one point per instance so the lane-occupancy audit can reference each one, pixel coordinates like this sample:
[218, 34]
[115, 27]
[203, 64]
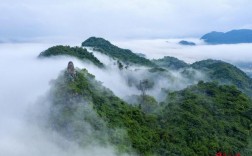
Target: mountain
[245, 66]
[225, 73]
[200, 120]
[77, 52]
[170, 62]
[141, 55]
[183, 42]
[231, 37]
[205, 119]
[70, 98]
[125, 55]
[219, 71]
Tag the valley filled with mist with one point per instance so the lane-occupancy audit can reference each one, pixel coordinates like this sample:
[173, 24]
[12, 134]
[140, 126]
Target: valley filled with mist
[158, 98]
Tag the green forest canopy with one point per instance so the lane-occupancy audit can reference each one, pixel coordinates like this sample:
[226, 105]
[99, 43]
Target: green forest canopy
[199, 120]
[125, 55]
[77, 52]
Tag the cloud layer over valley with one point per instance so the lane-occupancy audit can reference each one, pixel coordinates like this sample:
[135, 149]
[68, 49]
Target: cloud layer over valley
[23, 104]
[159, 48]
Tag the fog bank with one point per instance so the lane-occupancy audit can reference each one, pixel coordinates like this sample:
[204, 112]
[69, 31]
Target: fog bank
[159, 48]
[24, 81]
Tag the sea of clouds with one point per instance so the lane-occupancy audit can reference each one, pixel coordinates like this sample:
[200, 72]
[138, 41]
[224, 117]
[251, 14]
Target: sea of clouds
[25, 80]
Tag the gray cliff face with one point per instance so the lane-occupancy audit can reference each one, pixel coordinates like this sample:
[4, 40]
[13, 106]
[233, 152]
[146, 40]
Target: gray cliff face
[70, 69]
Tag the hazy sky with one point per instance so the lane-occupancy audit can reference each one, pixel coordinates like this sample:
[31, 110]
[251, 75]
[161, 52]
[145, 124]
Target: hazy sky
[29, 19]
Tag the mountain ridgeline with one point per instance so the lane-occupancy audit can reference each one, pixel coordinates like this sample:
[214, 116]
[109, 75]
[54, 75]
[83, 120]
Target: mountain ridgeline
[231, 37]
[218, 71]
[170, 63]
[202, 118]
[225, 73]
[125, 55]
[78, 52]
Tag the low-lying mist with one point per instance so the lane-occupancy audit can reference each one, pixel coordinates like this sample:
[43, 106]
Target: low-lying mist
[25, 82]
[157, 48]
[124, 82]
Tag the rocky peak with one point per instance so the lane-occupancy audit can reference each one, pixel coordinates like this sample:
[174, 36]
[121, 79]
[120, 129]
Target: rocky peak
[70, 69]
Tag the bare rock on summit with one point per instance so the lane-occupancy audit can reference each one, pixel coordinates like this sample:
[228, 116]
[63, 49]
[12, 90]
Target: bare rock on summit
[70, 69]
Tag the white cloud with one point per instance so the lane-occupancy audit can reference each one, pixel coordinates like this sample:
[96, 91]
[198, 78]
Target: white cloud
[24, 80]
[159, 48]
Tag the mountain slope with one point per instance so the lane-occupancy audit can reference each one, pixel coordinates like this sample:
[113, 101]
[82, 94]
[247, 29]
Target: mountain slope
[206, 119]
[77, 52]
[245, 66]
[170, 62]
[231, 37]
[115, 114]
[104, 46]
[225, 73]
[200, 120]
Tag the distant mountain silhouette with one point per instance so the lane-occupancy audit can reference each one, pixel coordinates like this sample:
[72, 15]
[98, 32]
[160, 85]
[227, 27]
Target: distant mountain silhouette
[183, 42]
[230, 37]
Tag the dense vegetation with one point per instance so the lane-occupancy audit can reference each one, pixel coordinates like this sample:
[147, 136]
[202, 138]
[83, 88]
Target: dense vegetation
[141, 129]
[125, 55]
[200, 120]
[245, 66]
[206, 118]
[170, 62]
[225, 73]
[77, 52]
[231, 37]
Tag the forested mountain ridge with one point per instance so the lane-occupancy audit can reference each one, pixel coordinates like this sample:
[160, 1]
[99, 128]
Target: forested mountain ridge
[194, 117]
[140, 127]
[125, 55]
[200, 120]
[225, 73]
[170, 62]
[207, 118]
[77, 52]
[219, 71]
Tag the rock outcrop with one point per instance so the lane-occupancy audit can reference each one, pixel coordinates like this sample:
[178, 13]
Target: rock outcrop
[70, 70]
